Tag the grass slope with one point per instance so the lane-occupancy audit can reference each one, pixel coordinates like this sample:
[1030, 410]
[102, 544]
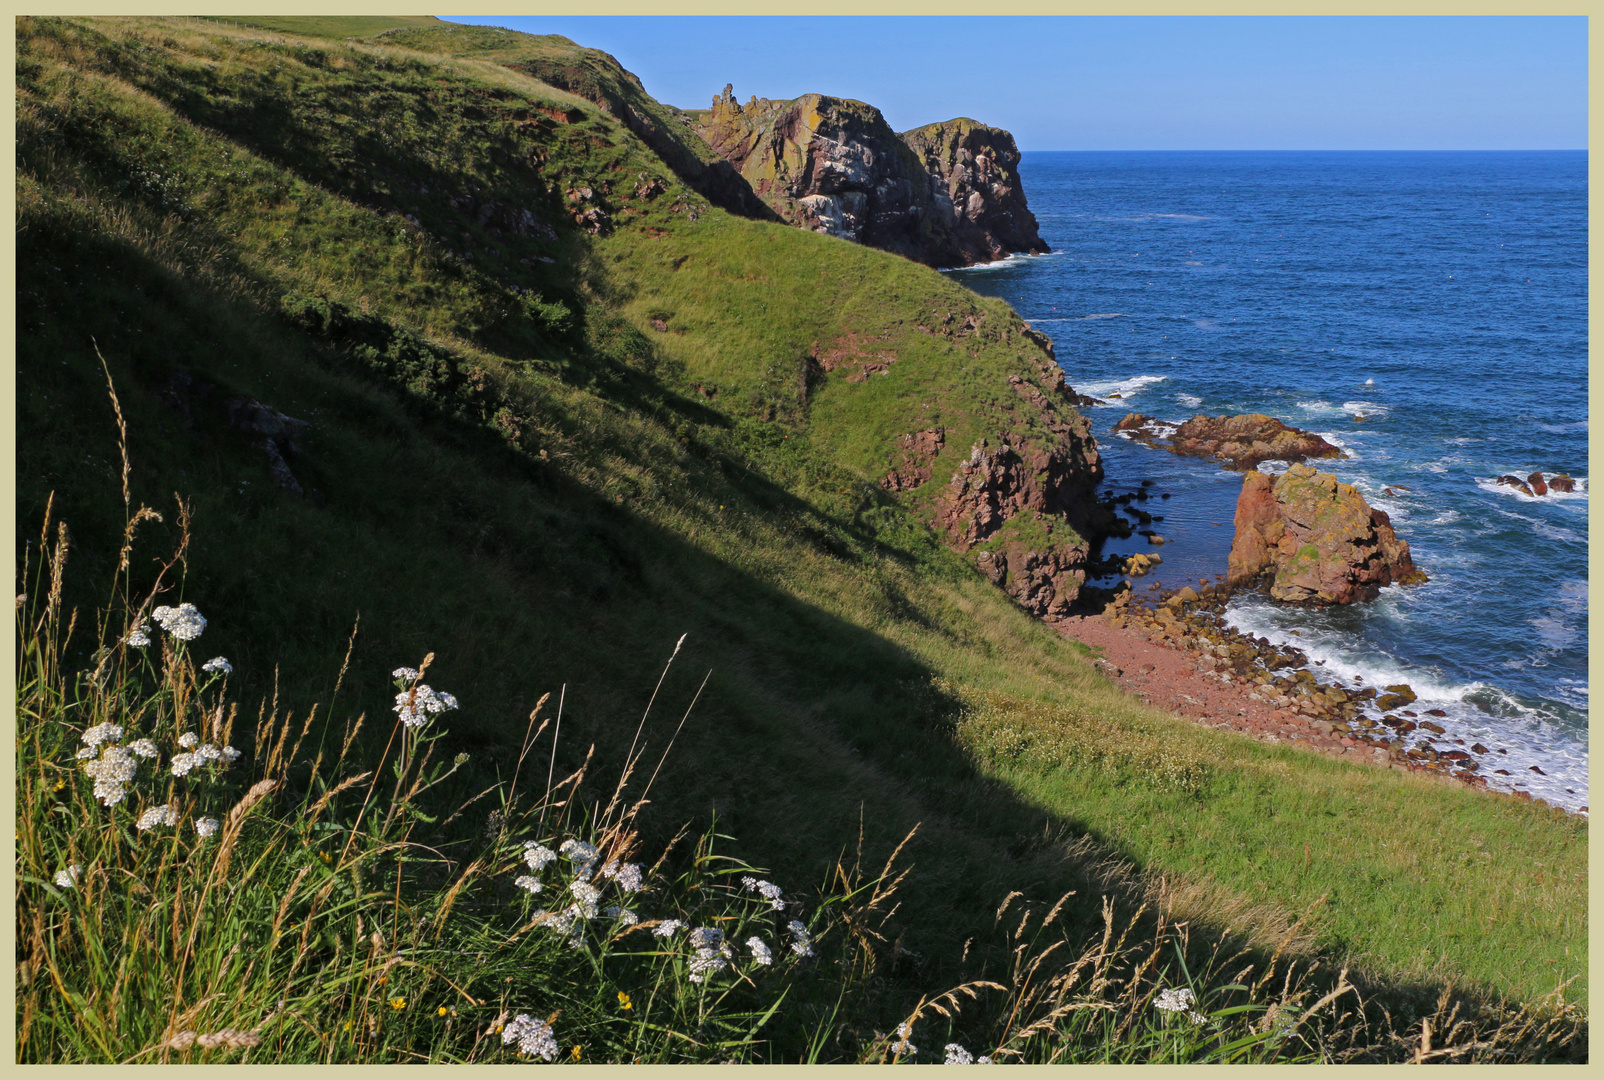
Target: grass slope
[516, 470]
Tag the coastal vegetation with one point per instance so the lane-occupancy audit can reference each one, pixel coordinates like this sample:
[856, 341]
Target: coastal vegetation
[561, 410]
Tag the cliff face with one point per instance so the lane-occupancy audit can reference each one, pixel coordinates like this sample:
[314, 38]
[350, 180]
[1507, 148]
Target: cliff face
[973, 172]
[945, 195]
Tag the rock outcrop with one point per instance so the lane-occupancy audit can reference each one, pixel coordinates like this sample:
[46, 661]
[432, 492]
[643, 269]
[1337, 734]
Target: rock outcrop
[945, 195]
[1537, 485]
[1242, 442]
[1315, 539]
[974, 175]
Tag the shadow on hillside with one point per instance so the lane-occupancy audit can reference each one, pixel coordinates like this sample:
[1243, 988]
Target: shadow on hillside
[814, 736]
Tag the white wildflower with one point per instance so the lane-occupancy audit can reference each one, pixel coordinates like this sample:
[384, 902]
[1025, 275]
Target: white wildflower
[534, 1037]
[217, 663]
[957, 1055]
[629, 876]
[68, 878]
[537, 855]
[139, 636]
[803, 945]
[588, 896]
[902, 1045]
[1175, 1001]
[157, 815]
[207, 753]
[706, 937]
[770, 891]
[144, 748]
[668, 928]
[984, 1060]
[527, 882]
[183, 621]
[707, 962]
[112, 772]
[188, 740]
[101, 733]
[86, 753]
[560, 921]
[416, 705]
[206, 826]
[182, 763]
[760, 951]
[409, 674]
[622, 914]
[578, 851]
[231, 754]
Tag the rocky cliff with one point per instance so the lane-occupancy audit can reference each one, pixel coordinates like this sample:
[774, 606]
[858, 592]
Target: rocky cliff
[945, 195]
[973, 171]
[1315, 539]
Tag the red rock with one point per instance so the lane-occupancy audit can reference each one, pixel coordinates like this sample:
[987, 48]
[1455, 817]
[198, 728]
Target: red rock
[1562, 482]
[1535, 482]
[1536, 770]
[1515, 482]
[1479, 748]
[1316, 539]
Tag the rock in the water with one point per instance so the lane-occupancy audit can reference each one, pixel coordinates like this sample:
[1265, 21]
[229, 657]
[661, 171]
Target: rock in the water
[1515, 482]
[1535, 482]
[1239, 441]
[1315, 539]
[1562, 482]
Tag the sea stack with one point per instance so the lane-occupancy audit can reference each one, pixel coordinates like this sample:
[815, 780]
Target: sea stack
[1315, 540]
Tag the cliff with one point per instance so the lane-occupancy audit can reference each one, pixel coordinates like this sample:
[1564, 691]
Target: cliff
[944, 195]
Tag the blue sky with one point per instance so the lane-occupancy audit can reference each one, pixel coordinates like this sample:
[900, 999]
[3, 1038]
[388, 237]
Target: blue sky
[1152, 83]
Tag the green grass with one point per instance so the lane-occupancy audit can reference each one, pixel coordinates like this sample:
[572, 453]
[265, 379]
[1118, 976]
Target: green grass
[513, 469]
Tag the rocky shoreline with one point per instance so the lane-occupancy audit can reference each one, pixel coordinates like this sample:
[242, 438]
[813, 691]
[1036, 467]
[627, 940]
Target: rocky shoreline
[1176, 653]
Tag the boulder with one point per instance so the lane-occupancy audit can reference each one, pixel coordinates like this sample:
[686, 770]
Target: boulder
[1315, 540]
[1239, 441]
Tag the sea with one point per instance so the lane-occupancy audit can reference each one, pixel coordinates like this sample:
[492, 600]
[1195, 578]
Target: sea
[1426, 312]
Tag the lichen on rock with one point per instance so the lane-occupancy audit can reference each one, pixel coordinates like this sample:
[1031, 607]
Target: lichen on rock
[1315, 539]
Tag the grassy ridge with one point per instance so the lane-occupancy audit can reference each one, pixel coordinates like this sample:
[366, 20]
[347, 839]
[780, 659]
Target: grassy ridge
[517, 471]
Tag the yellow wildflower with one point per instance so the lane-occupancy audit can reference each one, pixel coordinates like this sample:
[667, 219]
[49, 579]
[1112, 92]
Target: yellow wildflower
[442, 1011]
[576, 1051]
[624, 1002]
[398, 1003]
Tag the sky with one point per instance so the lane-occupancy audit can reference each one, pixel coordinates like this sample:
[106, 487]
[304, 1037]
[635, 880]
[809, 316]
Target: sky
[1137, 83]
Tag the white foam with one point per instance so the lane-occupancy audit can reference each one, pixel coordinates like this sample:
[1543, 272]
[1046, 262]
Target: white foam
[1191, 401]
[1491, 484]
[1273, 466]
[1078, 318]
[1125, 388]
[1545, 530]
[1016, 259]
[1366, 409]
[1370, 382]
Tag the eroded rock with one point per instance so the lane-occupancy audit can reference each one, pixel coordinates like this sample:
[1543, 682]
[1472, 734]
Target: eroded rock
[1315, 539]
[1242, 442]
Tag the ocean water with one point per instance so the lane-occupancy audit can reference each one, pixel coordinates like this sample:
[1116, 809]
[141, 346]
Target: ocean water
[1425, 311]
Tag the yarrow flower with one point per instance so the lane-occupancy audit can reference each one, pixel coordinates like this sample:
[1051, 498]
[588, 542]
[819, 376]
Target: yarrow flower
[902, 1045]
[182, 763]
[588, 896]
[803, 945]
[622, 914]
[157, 815]
[667, 928]
[112, 772]
[416, 705]
[527, 882]
[188, 740]
[537, 855]
[711, 953]
[760, 951]
[534, 1037]
[139, 636]
[101, 733]
[231, 754]
[68, 878]
[770, 891]
[144, 748]
[629, 876]
[581, 854]
[957, 1055]
[206, 826]
[409, 674]
[706, 937]
[183, 621]
[1180, 1000]
[86, 753]
[217, 663]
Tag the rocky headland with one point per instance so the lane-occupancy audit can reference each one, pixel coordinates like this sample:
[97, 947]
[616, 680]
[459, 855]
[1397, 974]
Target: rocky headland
[1315, 540]
[945, 194]
[1240, 442]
